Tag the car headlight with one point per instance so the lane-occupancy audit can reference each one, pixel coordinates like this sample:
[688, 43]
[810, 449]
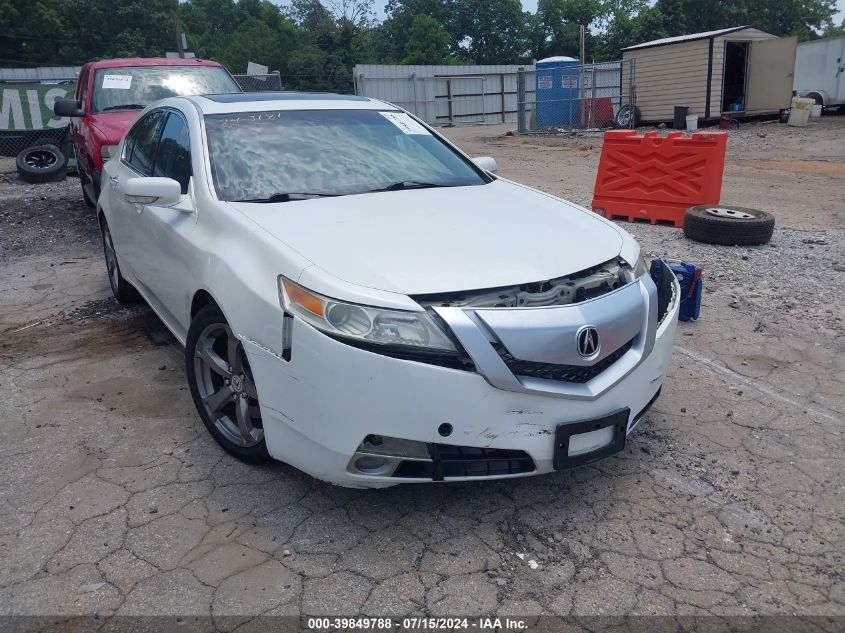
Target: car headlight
[107, 151]
[640, 268]
[363, 323]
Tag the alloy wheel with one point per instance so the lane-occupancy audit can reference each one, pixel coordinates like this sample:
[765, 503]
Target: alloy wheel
[40, 159]
[226, 386]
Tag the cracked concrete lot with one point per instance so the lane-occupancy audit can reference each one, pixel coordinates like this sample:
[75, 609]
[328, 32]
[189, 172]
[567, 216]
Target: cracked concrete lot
[729, 499]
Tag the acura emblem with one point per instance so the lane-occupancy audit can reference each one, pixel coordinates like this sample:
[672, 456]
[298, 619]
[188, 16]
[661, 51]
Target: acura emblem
[587, 341]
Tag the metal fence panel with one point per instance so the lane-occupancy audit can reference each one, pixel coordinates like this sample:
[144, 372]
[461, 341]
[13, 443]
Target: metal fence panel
[579, 97]
[443, 94]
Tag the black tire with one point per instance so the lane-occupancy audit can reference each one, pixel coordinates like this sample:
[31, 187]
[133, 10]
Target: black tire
[623, 116]
[63, 142]
[728, 225]
[815, 96]
[210, 387]
[122, 290]
[41, 163]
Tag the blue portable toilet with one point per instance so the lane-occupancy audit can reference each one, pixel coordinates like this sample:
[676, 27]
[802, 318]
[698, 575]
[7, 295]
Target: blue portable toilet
[557, 91]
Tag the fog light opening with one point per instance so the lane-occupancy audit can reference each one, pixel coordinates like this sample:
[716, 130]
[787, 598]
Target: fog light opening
[371, 464]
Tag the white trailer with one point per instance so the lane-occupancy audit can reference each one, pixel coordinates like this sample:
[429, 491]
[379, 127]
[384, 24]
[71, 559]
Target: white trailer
[820, 71]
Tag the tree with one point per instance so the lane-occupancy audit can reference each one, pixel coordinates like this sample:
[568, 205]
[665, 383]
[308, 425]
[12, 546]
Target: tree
[256, 41]
[29, 31]
[562, 20]
[535, 34]
[835, 31]
[400, 16]
[803, 18]
[491, 31]
[320, 41]
[428, 42]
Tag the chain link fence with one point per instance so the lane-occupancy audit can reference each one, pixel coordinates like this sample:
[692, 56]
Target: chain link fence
[567, 98]
[27, 118]
[305, 83]
[259, 83]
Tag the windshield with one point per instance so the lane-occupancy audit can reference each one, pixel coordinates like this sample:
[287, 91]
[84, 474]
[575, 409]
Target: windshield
[135, 87]
[261, 156]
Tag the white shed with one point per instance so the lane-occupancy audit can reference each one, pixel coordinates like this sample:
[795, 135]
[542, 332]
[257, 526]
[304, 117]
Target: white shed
[740, 70]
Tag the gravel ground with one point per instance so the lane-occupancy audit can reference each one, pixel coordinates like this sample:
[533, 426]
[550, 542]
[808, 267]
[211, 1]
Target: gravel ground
[728, 500]
[44, 218]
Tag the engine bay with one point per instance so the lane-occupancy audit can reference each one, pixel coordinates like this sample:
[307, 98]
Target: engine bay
[575, 288]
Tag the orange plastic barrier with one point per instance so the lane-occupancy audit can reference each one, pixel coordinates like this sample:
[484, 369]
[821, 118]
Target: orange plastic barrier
[658, 177]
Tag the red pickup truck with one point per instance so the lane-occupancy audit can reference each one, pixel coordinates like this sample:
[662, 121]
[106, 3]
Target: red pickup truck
[110, 95]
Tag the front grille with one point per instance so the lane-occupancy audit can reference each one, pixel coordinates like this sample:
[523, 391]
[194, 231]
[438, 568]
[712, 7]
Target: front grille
[561, 373]
[466, 461]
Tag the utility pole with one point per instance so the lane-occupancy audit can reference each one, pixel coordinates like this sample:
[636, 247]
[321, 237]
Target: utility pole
[582, 30]
[181, 44]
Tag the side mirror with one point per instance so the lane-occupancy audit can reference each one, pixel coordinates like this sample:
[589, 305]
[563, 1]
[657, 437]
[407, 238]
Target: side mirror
[67, 107]
[487, 163]
[162, 192]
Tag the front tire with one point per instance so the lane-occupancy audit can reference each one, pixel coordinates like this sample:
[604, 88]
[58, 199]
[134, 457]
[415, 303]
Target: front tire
[223, 387]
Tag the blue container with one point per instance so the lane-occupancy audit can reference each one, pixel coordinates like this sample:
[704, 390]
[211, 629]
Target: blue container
[689, 278]
[557, 92]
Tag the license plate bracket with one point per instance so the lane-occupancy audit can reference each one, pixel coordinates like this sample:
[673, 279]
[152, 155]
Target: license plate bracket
[618, 420]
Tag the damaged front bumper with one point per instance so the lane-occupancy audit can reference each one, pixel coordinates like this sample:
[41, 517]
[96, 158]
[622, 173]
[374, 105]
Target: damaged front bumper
[362, 419]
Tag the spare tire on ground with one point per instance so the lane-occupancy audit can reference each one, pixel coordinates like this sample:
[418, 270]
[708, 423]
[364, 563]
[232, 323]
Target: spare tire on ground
[627, 117]
[41, 163]
[728, 225]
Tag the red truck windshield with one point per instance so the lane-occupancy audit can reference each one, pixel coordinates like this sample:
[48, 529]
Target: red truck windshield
[135, 87]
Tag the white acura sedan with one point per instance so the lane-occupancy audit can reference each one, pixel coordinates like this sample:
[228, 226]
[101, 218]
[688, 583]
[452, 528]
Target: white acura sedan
[361, 300]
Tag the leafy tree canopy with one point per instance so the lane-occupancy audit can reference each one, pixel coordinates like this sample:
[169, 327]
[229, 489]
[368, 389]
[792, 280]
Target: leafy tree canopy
[315, 43]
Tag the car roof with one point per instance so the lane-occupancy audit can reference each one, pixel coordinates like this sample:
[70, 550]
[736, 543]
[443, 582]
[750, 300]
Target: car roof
[273, 101]
[150, 61]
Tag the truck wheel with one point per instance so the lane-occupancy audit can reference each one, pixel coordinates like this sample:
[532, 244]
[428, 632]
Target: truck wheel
[728, 225]
[41, 163]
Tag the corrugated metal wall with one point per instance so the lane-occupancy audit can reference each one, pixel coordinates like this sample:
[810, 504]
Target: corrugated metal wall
[444, 94]
[43, 73]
